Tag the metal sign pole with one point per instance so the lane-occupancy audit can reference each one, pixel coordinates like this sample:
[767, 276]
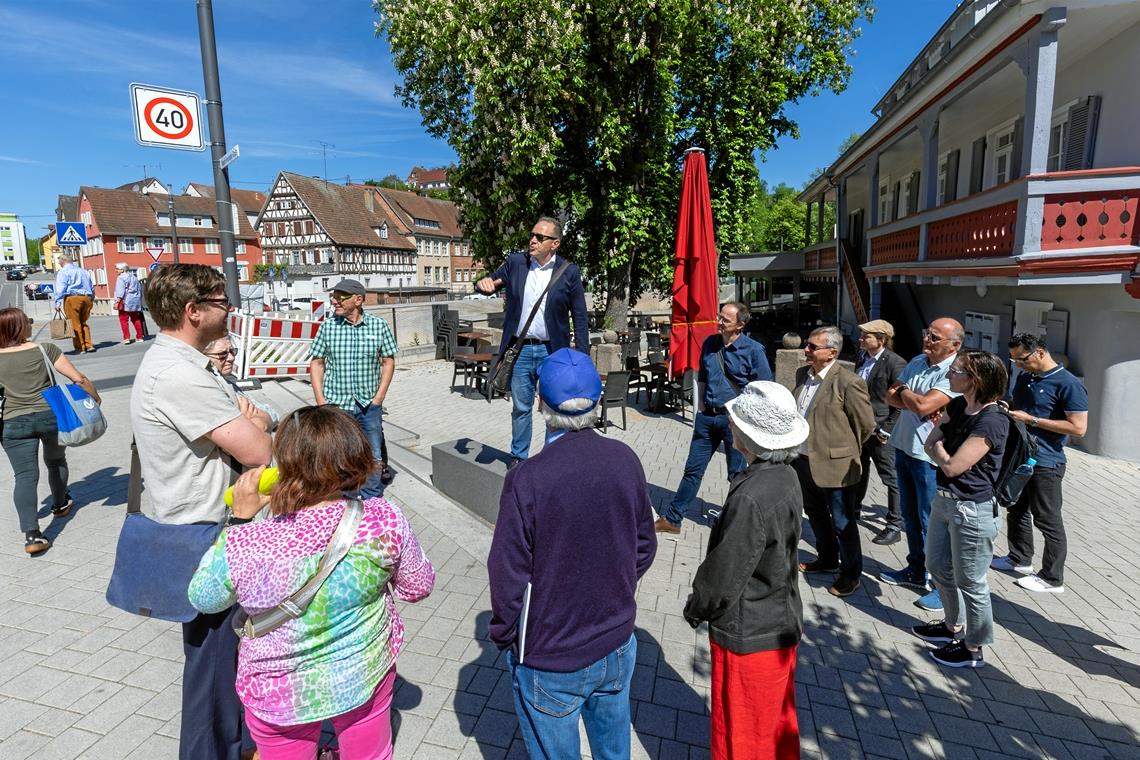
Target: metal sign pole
[218, 148]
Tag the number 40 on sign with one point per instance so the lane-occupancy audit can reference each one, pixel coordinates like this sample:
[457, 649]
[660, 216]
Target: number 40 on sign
[166, 118]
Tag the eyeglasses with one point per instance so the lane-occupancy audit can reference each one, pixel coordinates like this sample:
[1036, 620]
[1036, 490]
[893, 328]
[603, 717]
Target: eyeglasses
[338, 297]
[927, 335]
[541, 238]
[1022, 359]
[223, 302]
[814, 347]
[956, 371]
[221, 355]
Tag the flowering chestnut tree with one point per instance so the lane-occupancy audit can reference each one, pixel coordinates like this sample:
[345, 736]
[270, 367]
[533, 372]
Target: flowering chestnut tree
[585, 107]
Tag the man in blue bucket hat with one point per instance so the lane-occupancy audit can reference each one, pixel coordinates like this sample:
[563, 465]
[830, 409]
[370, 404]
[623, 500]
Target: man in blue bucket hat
[573, 536]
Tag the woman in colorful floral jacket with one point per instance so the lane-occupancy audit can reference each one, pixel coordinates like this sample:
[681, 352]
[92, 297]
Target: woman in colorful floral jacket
[338, 660]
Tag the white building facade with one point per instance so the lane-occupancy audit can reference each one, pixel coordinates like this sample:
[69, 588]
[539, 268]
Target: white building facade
[13, 241]
[999, 186]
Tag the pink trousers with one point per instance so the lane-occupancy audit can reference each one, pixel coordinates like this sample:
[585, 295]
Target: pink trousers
[364, 733]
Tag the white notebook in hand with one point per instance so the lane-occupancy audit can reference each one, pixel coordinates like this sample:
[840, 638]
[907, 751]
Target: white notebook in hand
[521, 628]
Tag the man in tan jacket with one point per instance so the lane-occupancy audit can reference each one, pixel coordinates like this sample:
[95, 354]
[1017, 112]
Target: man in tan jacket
[835, 403]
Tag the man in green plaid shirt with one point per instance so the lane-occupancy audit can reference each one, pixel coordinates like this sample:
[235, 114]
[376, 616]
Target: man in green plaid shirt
[351, 364]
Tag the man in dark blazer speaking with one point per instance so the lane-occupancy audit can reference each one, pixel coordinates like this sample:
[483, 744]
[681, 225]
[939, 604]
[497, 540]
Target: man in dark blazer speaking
[880, 367]
[526, 276]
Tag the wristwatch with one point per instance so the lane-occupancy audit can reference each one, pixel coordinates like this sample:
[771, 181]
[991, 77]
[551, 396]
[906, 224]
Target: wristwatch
[1032, 422]
[902, 387]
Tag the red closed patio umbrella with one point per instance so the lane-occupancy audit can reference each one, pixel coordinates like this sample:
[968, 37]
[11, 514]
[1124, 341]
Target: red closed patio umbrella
[695, 283]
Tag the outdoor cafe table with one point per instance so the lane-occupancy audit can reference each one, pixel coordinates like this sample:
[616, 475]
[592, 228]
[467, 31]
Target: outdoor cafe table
[474, 336]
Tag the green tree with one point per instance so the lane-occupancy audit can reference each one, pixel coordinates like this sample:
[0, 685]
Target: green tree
[585, 109]
[35, 250]
[391, 182]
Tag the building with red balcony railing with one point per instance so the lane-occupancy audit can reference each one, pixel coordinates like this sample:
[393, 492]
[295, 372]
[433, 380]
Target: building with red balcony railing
[999, 185]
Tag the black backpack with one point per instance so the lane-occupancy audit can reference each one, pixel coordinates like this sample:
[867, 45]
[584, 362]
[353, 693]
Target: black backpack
[1020, 448]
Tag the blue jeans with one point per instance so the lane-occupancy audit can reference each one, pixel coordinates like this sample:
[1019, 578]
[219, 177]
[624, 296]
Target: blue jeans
[370, 418]
[523, 383]
[549, 703]
[709, 432]
[960, 545]
[917, 481]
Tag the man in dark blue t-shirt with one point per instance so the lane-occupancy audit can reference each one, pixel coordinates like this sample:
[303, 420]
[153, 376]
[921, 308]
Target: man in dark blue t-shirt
[730, 360]
[1055, 405]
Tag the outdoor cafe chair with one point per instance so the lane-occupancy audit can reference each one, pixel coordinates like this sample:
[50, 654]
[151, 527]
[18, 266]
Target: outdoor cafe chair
[680, 393]
[614, 393]
[462, 364]
[639, 377]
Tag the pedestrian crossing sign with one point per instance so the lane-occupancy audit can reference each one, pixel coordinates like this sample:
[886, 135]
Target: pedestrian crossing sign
[71, 233]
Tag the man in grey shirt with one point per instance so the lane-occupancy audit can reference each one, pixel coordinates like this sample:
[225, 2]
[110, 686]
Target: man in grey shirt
[192, 432]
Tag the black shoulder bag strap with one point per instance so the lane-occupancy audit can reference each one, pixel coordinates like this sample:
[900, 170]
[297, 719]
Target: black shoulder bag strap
[720, 360]
[534, 310]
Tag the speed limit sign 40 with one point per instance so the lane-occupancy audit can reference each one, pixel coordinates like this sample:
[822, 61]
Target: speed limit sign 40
[166, 118]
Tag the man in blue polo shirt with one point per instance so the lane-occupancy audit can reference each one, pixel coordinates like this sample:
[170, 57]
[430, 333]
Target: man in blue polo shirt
[922, 389]
[1053, 403]
[730, 360]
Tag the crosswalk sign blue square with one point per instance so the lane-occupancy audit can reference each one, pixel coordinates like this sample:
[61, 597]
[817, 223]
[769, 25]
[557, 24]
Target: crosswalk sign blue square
[71, 233]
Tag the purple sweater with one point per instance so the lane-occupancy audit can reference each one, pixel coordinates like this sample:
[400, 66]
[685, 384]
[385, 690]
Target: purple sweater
[575, 522]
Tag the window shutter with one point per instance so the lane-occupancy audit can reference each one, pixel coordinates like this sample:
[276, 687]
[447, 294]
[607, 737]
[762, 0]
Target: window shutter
[895, 201]
[1018, 140]
[952, 176]
[1083, 119]
[912, 196]
[977, 165]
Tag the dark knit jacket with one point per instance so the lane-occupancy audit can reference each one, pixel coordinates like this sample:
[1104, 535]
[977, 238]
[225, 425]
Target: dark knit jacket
[575, 521]
[747, 587]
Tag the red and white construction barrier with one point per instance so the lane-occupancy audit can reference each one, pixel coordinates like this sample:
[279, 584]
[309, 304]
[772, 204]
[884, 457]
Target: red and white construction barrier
[273, 346]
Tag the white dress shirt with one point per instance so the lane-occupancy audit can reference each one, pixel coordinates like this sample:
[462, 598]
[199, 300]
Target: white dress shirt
[537, 278]
[807, 395]
[868, 364]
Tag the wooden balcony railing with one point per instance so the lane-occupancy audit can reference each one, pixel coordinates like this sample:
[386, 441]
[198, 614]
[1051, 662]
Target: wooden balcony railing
[986, 233]
[895, 247]
[1090, 220]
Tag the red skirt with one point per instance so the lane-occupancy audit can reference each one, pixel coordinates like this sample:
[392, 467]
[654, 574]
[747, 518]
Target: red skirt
[754, 705]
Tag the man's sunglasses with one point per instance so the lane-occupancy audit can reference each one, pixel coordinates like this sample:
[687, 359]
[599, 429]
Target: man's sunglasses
[338, 297]
[223, 302]
[541, 238]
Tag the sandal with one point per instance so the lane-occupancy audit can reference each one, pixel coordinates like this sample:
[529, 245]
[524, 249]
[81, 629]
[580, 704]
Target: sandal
[35, 543]
[62, 511]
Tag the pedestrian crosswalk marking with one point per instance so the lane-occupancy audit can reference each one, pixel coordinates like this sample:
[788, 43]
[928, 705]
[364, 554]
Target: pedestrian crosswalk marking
[72, 236]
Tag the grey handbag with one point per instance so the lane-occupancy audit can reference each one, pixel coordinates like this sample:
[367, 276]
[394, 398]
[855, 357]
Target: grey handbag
[294, 606]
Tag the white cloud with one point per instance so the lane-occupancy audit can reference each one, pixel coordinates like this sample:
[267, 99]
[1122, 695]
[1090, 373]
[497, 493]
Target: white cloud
[18, 160]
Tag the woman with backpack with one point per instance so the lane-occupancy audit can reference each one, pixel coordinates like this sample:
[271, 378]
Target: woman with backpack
[967, 449]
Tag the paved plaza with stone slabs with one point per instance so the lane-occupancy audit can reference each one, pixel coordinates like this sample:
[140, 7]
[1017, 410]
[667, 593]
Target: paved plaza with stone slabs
[79, 679]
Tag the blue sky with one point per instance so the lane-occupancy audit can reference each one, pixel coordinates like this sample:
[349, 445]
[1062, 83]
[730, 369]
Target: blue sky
[293, 73]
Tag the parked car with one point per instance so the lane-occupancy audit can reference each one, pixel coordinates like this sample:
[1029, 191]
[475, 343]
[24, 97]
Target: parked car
[16, 274]
[303, 303]
[477, 296]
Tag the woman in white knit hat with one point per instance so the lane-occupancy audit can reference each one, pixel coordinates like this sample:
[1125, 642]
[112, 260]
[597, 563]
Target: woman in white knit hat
[747, 587]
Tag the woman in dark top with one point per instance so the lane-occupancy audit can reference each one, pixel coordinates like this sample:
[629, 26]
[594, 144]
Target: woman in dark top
[28, 421]
[967, 449]
[747, 587]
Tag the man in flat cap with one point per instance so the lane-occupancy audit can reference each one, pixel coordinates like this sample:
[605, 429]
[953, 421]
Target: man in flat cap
[351, 363]
[880, 367]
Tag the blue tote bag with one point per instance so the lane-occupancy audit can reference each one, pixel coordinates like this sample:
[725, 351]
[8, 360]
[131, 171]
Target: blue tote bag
[77, 415]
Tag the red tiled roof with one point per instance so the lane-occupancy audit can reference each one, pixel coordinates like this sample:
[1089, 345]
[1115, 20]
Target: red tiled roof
[412, 206]
[250, 201]
[125, 212]
[344, 214]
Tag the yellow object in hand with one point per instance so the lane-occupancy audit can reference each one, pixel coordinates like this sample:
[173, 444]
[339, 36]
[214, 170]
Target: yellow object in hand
[265, 485]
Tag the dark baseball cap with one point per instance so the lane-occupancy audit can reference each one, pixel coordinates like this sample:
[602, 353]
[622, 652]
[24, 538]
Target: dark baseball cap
[352, 287]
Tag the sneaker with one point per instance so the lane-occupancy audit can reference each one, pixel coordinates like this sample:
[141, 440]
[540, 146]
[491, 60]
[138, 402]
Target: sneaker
[957, 655]
[930, 601]
[815, 566]
[1005, 564]
[906, 577]
[1037, 583]
[64, 509]
[938, 633]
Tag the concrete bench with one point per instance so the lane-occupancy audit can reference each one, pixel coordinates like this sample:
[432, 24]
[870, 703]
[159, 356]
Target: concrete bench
[471, 474]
